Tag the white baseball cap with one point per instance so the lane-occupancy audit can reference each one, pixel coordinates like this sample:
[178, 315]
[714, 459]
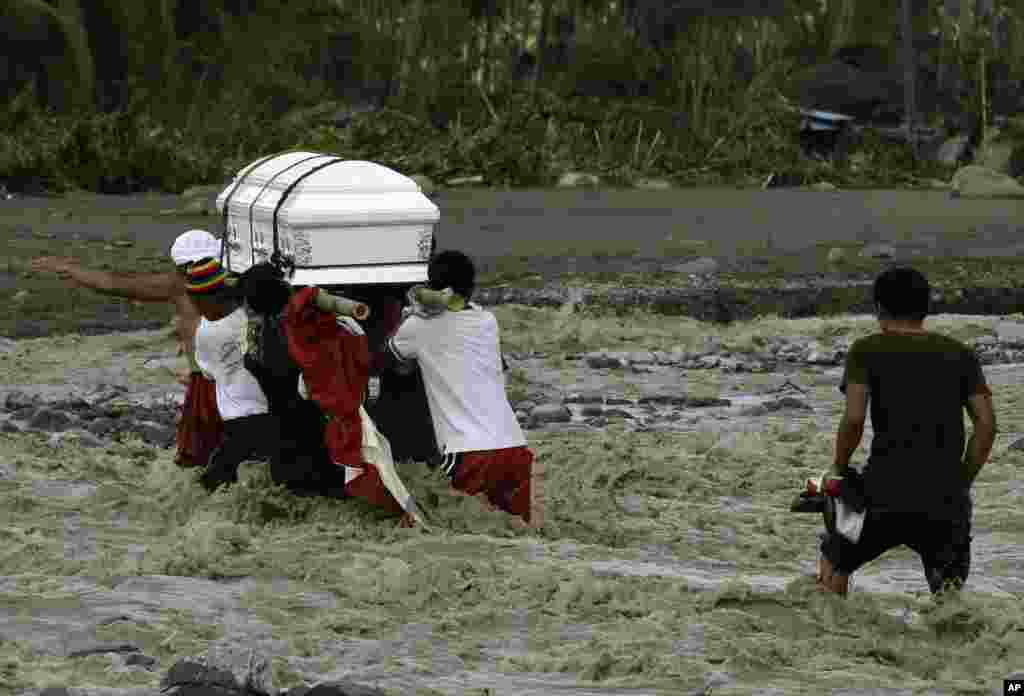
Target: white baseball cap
[193, 246]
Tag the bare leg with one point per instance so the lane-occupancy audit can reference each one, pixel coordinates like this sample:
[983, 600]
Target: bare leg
[831, 581]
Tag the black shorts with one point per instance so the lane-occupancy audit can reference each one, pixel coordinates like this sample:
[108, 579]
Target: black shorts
[942, 542]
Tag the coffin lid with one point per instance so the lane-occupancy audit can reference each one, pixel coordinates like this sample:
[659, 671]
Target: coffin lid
[342, 194]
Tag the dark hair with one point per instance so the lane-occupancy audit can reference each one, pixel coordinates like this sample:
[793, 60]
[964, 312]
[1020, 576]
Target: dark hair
[264, 288]
[902, 293]
[452, 269]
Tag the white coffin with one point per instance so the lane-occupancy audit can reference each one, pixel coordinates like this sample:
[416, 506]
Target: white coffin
[348, 222]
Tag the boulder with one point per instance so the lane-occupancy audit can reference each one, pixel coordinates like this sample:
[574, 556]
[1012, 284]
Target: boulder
[973, 181]
[701, 266]
[49, 420]
[1001, 152]
[153, 433]
[603, 361]
[97, 648]
[586, 398]
[551, 413]
[228, 665]
[82, 438]
[618, 413]
[338, 688]
[788, 403]
[1009, 332]
[706, 402]
[654, 184]
[18, 400]
[878, 251]
[578, 179]
[954, 151]
[641, 357]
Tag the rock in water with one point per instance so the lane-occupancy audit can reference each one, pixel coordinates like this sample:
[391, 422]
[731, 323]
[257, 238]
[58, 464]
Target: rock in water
[226, 665]
[50, 421]
[551, 413]
[603, 361]
[340, 688]
[1010, 332]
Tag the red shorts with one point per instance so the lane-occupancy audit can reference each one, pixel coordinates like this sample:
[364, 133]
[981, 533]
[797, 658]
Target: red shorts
[371, 488]
[200, 428]
[503, 475]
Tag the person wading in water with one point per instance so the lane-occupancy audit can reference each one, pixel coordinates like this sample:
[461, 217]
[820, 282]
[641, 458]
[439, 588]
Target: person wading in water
[459, 353]
[916, 484]
[200, 427]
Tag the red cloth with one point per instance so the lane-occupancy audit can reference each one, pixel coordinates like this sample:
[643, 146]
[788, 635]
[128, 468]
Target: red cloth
[200, 428]
[370, 488]
[503, 475]
[335, 367]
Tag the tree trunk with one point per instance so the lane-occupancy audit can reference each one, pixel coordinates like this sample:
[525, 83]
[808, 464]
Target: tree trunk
[909, 73]
[488, 38]
[70, 76]
[542, 41]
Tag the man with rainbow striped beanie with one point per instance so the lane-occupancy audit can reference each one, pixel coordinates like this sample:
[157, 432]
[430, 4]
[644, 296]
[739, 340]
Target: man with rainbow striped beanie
[250, 431]
[200, 428]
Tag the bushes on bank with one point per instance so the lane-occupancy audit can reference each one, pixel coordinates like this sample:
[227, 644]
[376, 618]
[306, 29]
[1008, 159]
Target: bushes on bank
[518, 139]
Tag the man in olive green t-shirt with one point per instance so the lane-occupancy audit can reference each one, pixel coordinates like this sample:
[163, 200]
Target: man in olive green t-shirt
[916, 484]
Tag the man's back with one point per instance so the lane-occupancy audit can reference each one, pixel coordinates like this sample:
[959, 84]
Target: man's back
[918, 386]
[459, 355]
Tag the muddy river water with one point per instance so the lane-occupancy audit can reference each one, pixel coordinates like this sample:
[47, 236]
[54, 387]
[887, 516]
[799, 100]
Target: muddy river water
[670, 565]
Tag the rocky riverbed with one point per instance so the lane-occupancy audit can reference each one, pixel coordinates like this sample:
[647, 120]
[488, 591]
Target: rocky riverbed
[670, 564]
[566, 389]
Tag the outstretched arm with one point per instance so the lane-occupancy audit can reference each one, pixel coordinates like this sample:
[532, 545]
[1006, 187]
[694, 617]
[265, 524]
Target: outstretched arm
[151, 287]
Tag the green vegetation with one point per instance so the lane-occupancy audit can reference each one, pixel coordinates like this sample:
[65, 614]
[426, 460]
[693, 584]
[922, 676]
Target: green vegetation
[157, 95]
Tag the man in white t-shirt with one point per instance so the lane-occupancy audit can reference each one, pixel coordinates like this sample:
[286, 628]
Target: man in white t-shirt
[459, 355]
[249, 428]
